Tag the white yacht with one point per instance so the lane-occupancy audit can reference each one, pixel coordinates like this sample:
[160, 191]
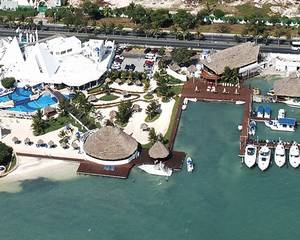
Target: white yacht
[282, 124]
[158, 169]
[189, 164]
[264, 157]
[239, 102]
[250, 155]
[294, 155]
[292, 103]
[280, 154]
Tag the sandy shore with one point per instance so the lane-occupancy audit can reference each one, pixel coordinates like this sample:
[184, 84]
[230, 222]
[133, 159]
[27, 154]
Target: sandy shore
[33, 168]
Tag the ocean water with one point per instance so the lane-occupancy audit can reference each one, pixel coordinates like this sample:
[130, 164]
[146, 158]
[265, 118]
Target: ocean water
[221, 199]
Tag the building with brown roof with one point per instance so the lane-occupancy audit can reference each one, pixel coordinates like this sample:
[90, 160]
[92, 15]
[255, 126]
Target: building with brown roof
[243, 57]
[110, 146]
[288, 87]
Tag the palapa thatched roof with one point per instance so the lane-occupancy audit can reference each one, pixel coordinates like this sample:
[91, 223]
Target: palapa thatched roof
[47, 110]
[107, 80]
[51, 143]
[288, 87]
[110, 143]
[27, 140]
[158, 151]
[40, 142]
[234, 57]
[15, 139]
[92, 98]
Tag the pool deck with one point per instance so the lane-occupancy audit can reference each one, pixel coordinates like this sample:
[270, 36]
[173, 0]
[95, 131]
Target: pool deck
[199, 89]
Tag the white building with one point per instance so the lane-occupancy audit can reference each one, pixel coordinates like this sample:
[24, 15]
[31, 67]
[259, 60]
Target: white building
[57, 60]
[287, 63]
[13, 4]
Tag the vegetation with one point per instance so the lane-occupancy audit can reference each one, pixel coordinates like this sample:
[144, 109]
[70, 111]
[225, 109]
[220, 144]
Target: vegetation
[230, 76]
[38, 124]
[152, 111]
[6, 154]
[152, 136]
[109, 97]
[182, 56]
[8, 82]
[124, 112]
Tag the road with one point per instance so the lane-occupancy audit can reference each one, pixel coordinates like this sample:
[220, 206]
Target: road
[161, 42]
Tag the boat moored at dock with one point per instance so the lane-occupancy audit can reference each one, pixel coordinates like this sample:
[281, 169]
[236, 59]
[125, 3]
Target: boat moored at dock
[267, 113]
[260, 112]
[294, 155]
[189, 164]
[158, 169]
[252, 128]
[292, 103]
[281, 113]
[250, 155]
[282, 124]
[280, 157]
[264, 157]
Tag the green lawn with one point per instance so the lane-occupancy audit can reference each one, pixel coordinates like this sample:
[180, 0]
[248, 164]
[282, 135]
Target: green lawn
[152, 119]
[248, 9]
[148, 97]
[176, 89]
[57, 123]
[109, 97]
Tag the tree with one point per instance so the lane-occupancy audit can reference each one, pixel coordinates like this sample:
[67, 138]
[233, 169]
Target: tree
[124, 112]
[152, 137]
[38, 124]
[152, 110]
[182, 55]
[91, 9]
[218, 13]
[184, 19]
[230, 75]
[8, 82]
[6, 154]
[161, 51]
[161, 18]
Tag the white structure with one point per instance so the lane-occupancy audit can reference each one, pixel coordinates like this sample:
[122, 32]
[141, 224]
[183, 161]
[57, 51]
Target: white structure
[286, 63]
[13, 4]
[59, 60]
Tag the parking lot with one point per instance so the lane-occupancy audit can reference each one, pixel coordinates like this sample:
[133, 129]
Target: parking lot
[135, 59]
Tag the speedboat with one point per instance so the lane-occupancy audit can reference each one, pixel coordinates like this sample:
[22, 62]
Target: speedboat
[292, 103]
[158, 169]
[282, 124]
[189, 164]
[184, 107]
[239, 102]
[250, 155]
[281, 113]
[260, 112]
[264, 157]
[280, 154]
[185, 101]
[271, 92]
[294, 155]
[252, 128]
[240, 127]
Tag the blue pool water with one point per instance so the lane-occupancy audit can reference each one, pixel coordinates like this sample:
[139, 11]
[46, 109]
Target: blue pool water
[20, 95]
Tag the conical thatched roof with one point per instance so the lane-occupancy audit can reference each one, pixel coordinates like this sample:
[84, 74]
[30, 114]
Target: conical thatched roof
[158, 150]
[51, 143]
[136, 107]
[92, 98]
[40, 142]
[110, 143]
[107, 80]
[49, 109]
[124, 93]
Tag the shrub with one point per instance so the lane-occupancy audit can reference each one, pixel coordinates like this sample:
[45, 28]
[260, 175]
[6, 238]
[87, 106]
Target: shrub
[8, 82]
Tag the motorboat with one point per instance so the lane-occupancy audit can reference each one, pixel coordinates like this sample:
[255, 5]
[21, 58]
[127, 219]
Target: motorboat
[294, 155]
[250, 155]
[189, 164]
[240, 127]
[157, 169]
[281, 113]
[267, 113]
[185, 101]
[280, 154]
[260, 112]
[184, 107]
[292, 103]
[239, 102]
[193, 99]
[252, 128]
[264, 157]
[282, 124]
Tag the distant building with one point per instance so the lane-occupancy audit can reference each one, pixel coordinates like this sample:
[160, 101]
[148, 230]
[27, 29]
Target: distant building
[57, 60]
[243, 57]
[287, 63]
[288, 87]
[13, 4]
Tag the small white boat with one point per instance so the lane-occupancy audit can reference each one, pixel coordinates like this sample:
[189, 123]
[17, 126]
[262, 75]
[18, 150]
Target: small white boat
[282, 124]
[185, 101]
[240, 127]
[280, 154]
[281, 113]
[252, 128]
[250, 155]
[294, 155]
[260, 112]
[264, 157]
[292, 103]
[193, 99]
[184, 107]
[239, 102]
[158, 169]
[267, 113]
[189, 164]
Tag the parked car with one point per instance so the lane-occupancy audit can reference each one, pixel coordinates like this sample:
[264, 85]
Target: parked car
[147, 50]
[119, 56]
[154, 50]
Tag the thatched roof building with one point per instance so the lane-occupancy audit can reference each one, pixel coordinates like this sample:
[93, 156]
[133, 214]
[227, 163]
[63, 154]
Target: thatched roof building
[288, 87]
[158, 151]
[234, 57]
[110, 144]
[49, 111]
[92, 98]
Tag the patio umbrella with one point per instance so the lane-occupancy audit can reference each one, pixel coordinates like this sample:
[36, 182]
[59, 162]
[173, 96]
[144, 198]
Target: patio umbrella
[51, 143]
[92, 98]
[136, 107]
[144, 126]
[15, 139]
[124, 93]
[27, 140]
[107, 80]
[40, 142]
[138, 83]
[75, 145]
[112, 114]
[64, 145]
[118, 80]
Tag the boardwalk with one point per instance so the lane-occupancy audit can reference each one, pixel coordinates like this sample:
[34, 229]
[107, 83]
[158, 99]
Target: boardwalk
[210, 92]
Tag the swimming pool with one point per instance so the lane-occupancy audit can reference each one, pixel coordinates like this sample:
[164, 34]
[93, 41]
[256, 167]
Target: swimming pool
[20, 95]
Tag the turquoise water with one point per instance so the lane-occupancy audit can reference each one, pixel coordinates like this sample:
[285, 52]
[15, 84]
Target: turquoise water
[17, 95]
[263, 83]
[221, 200]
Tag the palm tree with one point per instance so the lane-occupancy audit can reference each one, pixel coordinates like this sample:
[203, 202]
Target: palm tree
[38, 123]
[152, 110]
[107, 12]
